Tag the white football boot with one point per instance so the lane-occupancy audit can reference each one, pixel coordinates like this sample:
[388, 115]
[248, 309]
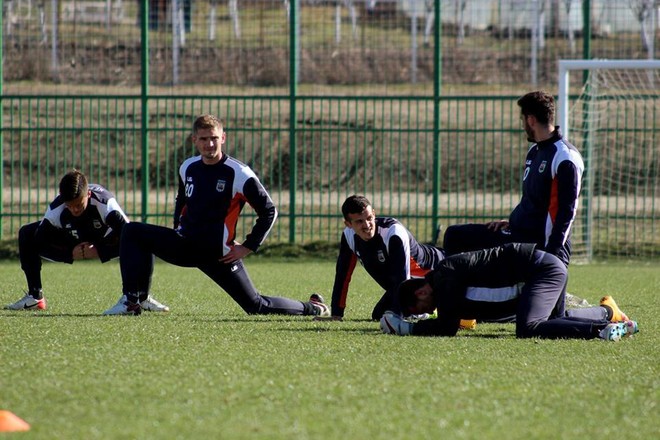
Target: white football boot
[123, 307]
[151, 305]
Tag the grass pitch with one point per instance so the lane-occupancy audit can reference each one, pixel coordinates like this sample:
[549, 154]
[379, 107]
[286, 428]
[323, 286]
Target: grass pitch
[206, 370]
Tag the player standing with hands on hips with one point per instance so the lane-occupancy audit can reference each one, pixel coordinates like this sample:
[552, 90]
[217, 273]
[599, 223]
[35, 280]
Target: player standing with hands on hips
[213, 189]
[83, 222]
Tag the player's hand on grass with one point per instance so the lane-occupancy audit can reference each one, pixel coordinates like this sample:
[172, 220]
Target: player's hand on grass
[394, 324]
[84, 251]
[501, 225]
[237, 252]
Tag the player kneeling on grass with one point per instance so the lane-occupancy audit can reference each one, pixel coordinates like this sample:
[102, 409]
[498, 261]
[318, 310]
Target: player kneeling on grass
[477, 285]
[83, 222]
[213, 188]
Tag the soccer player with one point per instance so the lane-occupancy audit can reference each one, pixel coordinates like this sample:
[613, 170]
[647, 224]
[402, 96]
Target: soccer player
[213, 189]
[83, 222]
[388, 251]
[478, 285]
[551, 186]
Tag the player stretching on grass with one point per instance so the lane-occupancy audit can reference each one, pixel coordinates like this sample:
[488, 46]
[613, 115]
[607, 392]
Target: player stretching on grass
[213, 188]
[388, 251]
[83, 222]
[550, 190]
[477, 285]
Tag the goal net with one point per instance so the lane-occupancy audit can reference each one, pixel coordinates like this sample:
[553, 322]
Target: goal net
[613, 118]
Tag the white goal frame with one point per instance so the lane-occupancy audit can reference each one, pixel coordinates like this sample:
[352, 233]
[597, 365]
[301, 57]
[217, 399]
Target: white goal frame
[564, 68]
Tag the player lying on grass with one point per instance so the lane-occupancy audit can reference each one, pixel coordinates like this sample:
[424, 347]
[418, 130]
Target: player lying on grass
[83, 222]
[385, 248]
[213, 188]
[478, 285]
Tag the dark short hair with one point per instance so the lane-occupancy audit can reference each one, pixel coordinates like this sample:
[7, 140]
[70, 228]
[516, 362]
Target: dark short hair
[354, 204]
[406, 292]
[539, 104]
[73, 185]
[207, 122]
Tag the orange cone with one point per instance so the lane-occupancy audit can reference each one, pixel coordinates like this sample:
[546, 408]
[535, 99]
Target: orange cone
[10, 422]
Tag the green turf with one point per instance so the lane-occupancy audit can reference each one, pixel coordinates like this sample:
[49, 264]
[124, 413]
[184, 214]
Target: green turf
[208, 371]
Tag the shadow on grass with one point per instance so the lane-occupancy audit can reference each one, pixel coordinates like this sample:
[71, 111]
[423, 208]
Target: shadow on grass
[316, 327]
[51, 315]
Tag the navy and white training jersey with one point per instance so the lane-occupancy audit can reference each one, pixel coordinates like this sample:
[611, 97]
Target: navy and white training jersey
[551, 186]
[393, 255]
[100, 224]
[210, 199]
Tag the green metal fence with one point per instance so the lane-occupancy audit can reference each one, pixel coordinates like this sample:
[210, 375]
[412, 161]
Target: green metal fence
[429, 151]
[383, 147]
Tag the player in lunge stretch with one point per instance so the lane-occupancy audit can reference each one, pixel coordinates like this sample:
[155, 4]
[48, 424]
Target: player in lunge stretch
[83, 222]
[388, 251]
[213, 189]
[479, 285]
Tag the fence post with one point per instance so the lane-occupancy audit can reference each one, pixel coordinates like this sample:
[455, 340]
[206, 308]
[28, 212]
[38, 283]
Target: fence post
[587, 151]
[144, 100]
[2, 94]
[437, 84]
[293, 92]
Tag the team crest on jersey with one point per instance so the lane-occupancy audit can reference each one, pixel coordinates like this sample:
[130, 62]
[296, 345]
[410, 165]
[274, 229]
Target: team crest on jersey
[381, 256]
[97, 224]
[542, 166]
[220, 186]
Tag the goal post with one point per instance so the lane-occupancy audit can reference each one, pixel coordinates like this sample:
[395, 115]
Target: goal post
[566, 66]
[613, 118]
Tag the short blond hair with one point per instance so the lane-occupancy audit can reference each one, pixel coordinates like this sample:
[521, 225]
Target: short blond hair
[207, 122]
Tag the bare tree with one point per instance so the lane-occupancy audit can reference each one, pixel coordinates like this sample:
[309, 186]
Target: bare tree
[569, 29]
[643, 10]
[460, 20]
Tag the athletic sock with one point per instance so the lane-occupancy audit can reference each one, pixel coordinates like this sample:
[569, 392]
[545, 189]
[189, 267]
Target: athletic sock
[36, 292]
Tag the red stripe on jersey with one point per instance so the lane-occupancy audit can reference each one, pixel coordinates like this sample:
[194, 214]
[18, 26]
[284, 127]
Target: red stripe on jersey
[553, 206]
[416, 270]
[231, 219]
[347, 281]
